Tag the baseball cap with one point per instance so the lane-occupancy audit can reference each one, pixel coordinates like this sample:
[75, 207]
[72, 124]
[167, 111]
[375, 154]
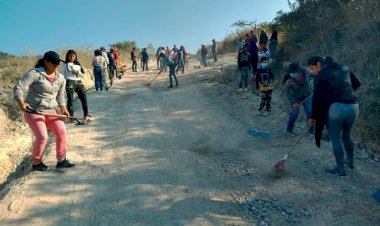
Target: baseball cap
[52, 57]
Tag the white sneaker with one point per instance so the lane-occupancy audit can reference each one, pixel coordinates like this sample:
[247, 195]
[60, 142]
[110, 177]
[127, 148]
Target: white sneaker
[245, 89]
[240, 90]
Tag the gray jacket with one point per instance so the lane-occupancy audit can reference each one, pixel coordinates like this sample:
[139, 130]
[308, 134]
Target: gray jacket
[42, 95]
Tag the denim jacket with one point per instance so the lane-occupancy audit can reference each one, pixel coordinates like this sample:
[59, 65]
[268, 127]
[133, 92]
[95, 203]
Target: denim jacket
[42, 95]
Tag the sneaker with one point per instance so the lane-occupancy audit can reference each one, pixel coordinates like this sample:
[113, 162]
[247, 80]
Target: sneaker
[259, 112]
[171, 86]
[64, 164]
[40, 167]
[290, 132]
[350, 166]
[88, 118]
[335, 172]
[240, 90]
[265, 113]
[245, 89]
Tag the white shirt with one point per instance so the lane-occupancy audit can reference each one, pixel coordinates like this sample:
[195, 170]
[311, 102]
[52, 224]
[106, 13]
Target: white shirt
[104, 54]
[67, 71]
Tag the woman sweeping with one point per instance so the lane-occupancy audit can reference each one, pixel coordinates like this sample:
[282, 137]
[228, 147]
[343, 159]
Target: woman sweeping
[46, 87]
[335, 107]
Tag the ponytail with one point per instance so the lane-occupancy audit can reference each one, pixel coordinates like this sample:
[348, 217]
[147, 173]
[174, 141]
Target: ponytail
[40, 63]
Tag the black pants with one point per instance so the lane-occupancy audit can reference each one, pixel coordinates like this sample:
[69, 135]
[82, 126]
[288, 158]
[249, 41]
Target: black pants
[254, 61]
[134, 65]
[78, 87]
[266, 98]
[145, 65]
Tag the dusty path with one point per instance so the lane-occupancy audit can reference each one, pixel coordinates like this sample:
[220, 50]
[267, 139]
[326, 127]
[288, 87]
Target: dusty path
[181, 156]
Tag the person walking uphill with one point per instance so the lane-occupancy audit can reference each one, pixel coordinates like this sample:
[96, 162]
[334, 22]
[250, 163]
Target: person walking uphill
[298, 89]
[99, 63]
[46, 87]
[73, 72]
[336, 107]
[145, 59]
[244, 65]
[168, 61]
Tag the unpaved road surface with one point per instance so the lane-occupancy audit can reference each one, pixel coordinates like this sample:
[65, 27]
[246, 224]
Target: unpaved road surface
[182, 156]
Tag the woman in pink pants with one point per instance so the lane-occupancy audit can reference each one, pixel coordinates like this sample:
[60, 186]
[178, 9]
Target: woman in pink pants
[46, 88]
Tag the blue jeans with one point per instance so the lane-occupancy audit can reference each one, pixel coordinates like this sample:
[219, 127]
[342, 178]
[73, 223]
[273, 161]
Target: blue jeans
[294, 114]
[243, 77]
[204, 60]
[98, 75]
[172, 74]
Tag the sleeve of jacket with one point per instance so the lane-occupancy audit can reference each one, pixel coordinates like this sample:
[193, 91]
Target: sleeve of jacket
[23, 84]
[316, 113]
[355, 82]
[258, 77]
[61, 92]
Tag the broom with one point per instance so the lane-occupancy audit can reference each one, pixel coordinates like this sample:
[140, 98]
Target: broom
[148, 84]
[281, 163]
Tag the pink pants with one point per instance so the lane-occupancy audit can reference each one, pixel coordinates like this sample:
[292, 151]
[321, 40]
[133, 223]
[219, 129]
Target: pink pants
[38, 124]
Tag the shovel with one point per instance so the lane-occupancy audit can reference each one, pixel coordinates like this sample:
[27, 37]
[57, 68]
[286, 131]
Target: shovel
[32, 111]
[148, 84]
[281, 163]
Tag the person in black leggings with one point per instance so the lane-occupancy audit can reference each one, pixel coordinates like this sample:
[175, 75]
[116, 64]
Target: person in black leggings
[335, 107]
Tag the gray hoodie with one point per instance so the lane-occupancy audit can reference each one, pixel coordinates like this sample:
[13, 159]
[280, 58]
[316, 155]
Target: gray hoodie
[42, 95]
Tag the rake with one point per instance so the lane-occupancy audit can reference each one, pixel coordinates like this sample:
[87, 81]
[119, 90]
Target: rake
[281, 163]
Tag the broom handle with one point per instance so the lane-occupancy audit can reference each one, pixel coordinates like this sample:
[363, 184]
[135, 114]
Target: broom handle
[302, 102]
[298, 139]
[54, 115]
[155, 77]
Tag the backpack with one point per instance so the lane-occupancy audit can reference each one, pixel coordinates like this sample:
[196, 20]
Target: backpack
[265, 82]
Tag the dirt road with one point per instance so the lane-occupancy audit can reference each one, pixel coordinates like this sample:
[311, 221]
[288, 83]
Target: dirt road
[182, 156]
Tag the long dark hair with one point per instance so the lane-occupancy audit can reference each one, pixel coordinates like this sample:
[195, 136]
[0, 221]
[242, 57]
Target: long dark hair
[76, 59]
[40, 63]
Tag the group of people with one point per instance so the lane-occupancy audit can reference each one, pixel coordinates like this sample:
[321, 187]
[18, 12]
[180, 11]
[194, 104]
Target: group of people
[324, 88]
[204, 53]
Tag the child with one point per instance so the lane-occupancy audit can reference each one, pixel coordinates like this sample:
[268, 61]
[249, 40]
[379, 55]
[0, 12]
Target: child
[244, 65]
[264, 79]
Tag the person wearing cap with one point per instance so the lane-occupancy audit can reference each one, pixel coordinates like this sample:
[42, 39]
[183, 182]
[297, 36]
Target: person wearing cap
[204, 55]
[214, 49]
[45, 92]
[298, 88]
[105, 70]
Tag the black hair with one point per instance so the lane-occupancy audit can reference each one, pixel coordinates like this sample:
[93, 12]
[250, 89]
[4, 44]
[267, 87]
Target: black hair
[76, 59]
[40, 63]
[98, 52]
[314, 60]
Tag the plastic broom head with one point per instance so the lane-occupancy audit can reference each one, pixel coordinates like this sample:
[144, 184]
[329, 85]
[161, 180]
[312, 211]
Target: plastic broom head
[280, 164]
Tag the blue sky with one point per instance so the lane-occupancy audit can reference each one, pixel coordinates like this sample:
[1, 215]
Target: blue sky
[36, 26]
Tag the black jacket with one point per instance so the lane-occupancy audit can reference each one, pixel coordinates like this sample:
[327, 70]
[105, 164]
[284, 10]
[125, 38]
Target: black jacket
[244, 60]
[333, 84]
